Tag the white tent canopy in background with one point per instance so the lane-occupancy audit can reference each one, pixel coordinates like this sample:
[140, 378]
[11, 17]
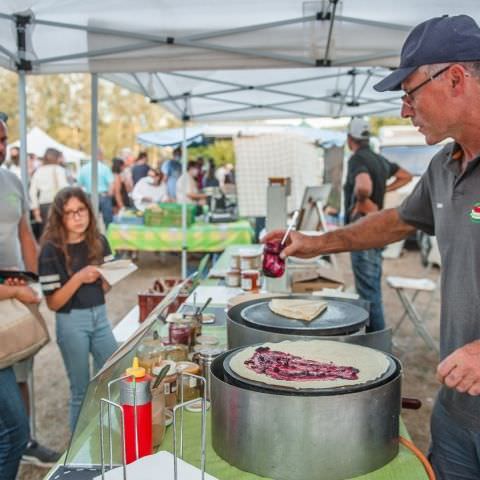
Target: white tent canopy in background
[38, 141]
[224, 95]
[174, 137]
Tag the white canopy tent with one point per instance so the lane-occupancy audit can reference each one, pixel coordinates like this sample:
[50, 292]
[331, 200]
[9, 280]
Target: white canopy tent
[185, 38]
[38, 141]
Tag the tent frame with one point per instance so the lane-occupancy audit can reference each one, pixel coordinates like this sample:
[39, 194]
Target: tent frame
[197, 41]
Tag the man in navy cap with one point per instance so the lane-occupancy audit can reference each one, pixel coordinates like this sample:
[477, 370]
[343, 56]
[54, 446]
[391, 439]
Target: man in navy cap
[439, 74]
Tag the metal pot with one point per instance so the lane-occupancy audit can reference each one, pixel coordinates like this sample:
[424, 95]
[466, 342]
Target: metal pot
[301, 435]
[241, 332]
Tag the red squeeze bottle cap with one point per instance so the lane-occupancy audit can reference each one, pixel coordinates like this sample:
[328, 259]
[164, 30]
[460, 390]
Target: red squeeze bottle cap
[135, 370]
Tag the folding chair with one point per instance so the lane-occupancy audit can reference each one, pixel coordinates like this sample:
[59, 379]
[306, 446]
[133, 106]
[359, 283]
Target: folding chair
[416, 285]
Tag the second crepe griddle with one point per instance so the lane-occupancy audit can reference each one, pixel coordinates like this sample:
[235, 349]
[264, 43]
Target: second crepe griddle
[339, 318]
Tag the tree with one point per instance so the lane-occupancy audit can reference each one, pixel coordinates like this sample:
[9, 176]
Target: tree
[60, 105]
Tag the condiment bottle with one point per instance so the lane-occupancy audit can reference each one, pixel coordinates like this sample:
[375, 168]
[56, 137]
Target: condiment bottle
[136, 401]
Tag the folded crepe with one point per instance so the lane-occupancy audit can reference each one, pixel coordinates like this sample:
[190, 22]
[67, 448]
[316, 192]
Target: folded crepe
[297, 309]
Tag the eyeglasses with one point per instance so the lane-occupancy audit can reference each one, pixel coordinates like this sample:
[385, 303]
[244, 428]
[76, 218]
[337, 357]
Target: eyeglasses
[408, 99]
[71, 214]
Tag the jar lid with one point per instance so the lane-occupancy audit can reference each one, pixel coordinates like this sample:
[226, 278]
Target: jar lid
[210, 353]
[234, 271]
[250, 272]
[249, 253]
[188, 367]
[207, 340]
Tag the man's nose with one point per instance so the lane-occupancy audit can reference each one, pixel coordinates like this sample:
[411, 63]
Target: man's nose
[406, 111]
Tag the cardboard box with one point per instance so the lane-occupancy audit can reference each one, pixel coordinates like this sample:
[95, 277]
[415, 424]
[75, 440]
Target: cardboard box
[314, 279]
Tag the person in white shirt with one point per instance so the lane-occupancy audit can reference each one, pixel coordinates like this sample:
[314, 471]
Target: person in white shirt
[187, 188]
[46, 182]
[150, 189]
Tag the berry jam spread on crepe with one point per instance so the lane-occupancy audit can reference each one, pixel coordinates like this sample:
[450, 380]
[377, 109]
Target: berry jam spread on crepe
[285, 366]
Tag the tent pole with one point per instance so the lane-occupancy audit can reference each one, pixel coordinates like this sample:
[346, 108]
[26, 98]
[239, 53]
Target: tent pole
[184, 204]
[94, 139]
[22, 99]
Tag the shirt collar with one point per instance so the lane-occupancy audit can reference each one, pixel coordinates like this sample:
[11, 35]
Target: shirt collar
[455, 157]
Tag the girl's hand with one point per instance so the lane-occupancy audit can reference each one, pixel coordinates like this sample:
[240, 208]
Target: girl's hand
[13, 282]
[88, 274]
[26, 295]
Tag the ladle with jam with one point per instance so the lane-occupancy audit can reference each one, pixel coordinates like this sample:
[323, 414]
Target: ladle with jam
[273, 265]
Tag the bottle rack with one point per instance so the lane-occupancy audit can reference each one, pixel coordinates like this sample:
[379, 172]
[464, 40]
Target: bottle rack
[178, 411]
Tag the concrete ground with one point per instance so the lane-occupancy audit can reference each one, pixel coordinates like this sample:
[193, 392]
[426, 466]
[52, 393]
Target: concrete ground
[419, 364]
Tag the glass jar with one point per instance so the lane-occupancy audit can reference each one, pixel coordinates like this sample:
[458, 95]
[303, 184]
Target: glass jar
[235, 262]
[250, 280]
[158, 412]
[182, 331]
[273, 265]
[169, 384]
[249, 260]
[191, 388]
[176, 353]
[232, 278]
[150, 352]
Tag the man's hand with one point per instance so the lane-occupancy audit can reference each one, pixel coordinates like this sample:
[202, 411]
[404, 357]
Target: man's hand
[297, 244]
[461, 369]
[26, 295]
[88, 274]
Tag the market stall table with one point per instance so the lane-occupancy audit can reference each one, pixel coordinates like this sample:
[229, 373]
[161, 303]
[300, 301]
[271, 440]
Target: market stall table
[201, 237]
[405, 466]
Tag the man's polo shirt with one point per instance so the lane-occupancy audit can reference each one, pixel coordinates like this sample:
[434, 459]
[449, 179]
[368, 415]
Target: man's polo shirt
[445, 203]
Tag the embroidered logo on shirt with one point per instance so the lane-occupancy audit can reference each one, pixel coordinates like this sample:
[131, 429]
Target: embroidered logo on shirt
[475, 213]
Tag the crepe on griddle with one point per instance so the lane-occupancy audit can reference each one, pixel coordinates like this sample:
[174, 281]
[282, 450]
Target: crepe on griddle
[371, 364]
[297, 309]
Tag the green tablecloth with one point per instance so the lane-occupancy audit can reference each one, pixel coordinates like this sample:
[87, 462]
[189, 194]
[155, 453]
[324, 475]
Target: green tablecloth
[405, 466]
[201, 237]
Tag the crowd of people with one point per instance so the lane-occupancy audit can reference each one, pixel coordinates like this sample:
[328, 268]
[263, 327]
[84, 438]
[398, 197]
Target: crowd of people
[128, 183]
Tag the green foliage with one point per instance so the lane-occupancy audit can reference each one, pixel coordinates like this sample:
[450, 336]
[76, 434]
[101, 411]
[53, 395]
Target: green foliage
[221, 151]
[60, 105]
[377, 122]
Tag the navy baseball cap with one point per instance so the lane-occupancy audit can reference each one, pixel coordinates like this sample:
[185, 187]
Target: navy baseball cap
[438, 40]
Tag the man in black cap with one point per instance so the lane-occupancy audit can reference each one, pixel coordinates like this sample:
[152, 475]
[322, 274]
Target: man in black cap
[440, 75]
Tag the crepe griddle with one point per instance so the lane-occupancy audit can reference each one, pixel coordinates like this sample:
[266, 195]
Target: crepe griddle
[339, 318]
[249, 384]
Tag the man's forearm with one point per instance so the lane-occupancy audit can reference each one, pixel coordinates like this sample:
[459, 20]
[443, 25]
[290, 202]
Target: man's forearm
[373, 231]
